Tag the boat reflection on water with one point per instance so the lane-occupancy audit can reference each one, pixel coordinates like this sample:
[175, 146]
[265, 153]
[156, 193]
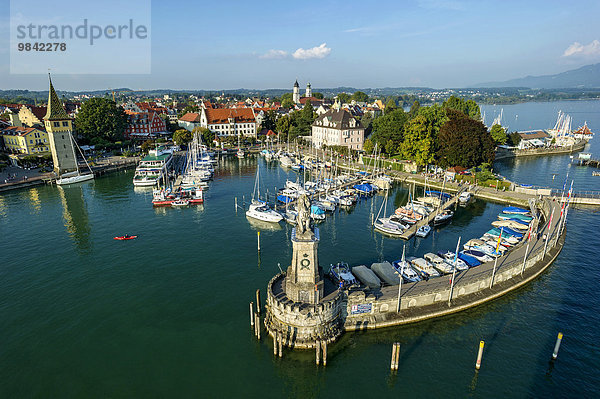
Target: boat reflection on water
[75, 215]
[263, 226]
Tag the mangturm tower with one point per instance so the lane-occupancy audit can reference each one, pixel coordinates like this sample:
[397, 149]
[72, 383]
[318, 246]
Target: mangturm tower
[300, 310]
[296, 93]
[59, 127]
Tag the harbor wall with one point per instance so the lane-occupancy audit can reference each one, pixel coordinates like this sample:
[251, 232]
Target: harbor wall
[504, 153]
[425, 300]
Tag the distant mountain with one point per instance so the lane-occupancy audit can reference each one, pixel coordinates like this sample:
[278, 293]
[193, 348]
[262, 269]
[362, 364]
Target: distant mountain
[586, 77]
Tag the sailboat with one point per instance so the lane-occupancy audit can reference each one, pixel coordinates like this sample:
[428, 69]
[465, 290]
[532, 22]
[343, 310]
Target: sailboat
[388, 225]
[259, 209]
[76, 176]
[240, 152]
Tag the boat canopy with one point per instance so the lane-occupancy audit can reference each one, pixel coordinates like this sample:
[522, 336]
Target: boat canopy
[514, 209]
[469, 260]
[365, 187]
[386, 272]
[437, 194]
[316, 210]
[366, 276]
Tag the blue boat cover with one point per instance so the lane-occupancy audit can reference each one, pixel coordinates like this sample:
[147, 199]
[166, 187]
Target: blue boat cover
[365, 188]
[469, 260]
[316, 210]
[437, 194]
[284, 198]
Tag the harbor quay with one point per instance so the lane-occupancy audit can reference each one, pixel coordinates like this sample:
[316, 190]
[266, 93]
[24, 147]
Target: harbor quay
[310, 311]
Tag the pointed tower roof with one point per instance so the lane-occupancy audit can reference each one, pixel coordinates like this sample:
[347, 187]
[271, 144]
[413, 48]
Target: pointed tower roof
[308, 84]
[55, 110]
[296, 84]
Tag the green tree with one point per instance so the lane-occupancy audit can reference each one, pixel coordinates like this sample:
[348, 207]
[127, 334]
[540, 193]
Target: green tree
[101, 118]
[469, 107]
[390, 106]
[498, 134]
[318, 95]
[343, 98]
[463, 141]
[182, 136]
[389, 127]
[419, 141]
[283, 126]
[147, 145]
[205, 134]
[360, 96]
[414, 109]
[391, 147]
[287, 103]
[514, 139]
[269, 122]
[368, 146]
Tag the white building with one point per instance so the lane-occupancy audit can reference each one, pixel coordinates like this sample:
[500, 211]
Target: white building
[337, 127]
[229, 121]
[296, 93]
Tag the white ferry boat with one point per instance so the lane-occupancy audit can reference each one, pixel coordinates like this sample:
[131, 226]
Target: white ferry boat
[153, 167]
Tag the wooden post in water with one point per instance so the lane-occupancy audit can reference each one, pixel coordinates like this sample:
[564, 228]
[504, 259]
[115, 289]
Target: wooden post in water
[275, 347]
[280, 343]
[325, 353]
[395, 356]
[258, 301]
[236, 205]
[258, 239]
[318, 351]
[557, 346]
[479, 355]
[251, 314]
[257, 326]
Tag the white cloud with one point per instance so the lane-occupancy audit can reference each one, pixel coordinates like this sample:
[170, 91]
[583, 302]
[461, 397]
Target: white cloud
[274, 54]
[321, 51]
[578, 49]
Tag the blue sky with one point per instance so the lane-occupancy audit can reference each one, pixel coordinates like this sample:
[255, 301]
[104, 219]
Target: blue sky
[268, 44]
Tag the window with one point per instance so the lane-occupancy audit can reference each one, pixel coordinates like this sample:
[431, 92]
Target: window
[56, 124]
[30, 141]
[65, 124]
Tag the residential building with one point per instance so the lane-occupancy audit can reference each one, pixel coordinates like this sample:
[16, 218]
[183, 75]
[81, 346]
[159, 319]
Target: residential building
[533, 139]
[337, 127]
[143, 125]
[25, 140]
[32, 116]
[189, 121]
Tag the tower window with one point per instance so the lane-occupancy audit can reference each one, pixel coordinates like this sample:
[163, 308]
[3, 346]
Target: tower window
[65, 124]
[56, 124]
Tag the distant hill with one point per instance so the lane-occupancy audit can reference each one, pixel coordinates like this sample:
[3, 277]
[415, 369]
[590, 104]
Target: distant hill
[586, 77]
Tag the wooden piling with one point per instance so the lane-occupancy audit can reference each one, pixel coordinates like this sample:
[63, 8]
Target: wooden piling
[479, 355]
[257, 322]
[258, 301]
[325, 353]
[251, 314]
[318, 351]
[258, 239]
[557, 345]
[236, 205]
[395, 356]
[275, 346]
[280, 343]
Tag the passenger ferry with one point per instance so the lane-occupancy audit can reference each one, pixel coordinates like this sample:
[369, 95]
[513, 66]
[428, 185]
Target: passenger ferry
[153, 167]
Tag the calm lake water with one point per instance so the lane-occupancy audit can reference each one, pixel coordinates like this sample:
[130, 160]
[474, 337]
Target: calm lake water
[166, 315]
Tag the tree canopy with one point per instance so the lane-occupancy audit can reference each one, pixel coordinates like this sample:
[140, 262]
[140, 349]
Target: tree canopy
[182, 136]
[343, 98]
[419, 141]
[498, 134]
[464, 142]
[468, 107]
[360, 96]
[99, 119]
[389, 127]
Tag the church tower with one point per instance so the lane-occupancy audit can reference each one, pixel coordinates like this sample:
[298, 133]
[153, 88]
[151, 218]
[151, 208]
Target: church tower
[296, 93]
[59, 127]
[308, 90]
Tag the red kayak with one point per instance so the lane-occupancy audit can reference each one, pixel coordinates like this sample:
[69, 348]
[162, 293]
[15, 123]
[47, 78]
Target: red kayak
[126, 238]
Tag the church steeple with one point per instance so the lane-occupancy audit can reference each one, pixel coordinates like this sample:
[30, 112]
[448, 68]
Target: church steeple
[55, 110]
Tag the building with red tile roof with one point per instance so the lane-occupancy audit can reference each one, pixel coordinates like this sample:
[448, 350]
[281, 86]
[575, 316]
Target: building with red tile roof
[144, 125]
[229, 121]
[25, 140]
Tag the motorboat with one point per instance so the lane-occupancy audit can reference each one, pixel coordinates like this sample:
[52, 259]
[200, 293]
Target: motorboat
[495, 233]
[452, 259]
[389, 226]
[406, 271]
[386, 272]
[479, 255]
[464, 197]
[316, 212]
[423, 231]
[515, 216]
[471, 261]
[512, 224]
[340, 273]
[421, 265]
[438, 262]
[366, 276]
[261, 211]
[443, 218]
[515, 210]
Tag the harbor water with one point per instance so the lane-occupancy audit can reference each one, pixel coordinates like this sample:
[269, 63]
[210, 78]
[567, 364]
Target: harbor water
[166, 315]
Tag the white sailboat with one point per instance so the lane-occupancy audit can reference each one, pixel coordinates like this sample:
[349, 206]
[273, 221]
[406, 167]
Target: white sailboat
[259, 209]
[76, 176]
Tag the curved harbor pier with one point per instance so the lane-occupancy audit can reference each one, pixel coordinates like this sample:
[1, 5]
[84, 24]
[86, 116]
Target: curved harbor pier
[305, 324]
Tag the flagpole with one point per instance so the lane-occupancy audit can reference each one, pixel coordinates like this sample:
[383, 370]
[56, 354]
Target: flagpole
[548, 233]
[401, 278]
[496, 259]
[453, 272]
[526, 250]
